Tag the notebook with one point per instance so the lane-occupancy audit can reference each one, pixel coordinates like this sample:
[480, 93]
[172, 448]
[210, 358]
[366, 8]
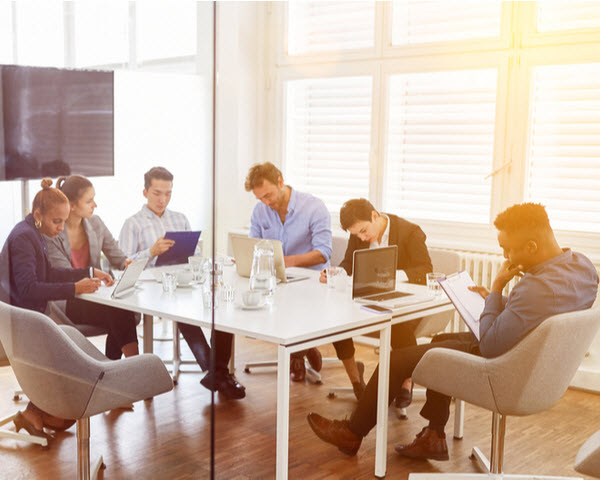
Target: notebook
[468, 304]
[126, 283]
[243, 252]
[374, 279]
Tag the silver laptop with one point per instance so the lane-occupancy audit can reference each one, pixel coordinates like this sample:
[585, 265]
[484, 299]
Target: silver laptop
[126, 283]
[374, 279]
[243, 252]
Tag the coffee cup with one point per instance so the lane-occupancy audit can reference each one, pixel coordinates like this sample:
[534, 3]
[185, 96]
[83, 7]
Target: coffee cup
[185, 277]
[251, 298]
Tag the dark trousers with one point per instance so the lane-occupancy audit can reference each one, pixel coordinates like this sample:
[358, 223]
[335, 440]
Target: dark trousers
[119, 324]
[194, 336]
[402, 336]
[402, 364]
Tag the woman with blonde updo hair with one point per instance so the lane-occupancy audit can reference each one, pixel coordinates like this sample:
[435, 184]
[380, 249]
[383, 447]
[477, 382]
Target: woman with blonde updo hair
[79, 245]
[29, 281]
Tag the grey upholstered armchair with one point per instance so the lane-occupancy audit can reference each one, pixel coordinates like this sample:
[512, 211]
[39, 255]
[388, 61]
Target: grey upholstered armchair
[527, 379]
[65, 375]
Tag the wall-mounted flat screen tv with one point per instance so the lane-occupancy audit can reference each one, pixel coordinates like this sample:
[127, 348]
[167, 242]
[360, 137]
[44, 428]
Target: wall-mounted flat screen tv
[55, 122]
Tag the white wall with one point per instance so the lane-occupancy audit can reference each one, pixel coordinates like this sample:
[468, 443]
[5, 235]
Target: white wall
[240, 110]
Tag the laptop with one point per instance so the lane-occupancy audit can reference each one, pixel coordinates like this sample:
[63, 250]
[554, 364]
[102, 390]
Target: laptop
[126, 283]
[374, 279]
[243, 252]
[184, 247]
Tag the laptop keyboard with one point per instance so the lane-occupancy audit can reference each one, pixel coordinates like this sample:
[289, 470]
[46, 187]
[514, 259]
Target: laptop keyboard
[387, 296]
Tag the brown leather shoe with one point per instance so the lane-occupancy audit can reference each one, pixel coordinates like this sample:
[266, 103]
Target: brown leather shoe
[429, 444]
[336, 432]
[297, 369]
[315, 359]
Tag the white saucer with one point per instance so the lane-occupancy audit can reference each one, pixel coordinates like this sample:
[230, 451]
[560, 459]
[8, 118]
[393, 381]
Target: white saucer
[188, 285]
[262, 304]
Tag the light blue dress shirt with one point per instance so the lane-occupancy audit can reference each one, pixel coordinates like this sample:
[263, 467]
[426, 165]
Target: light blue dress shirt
[564, 283]
[141, 231]
[307, 226]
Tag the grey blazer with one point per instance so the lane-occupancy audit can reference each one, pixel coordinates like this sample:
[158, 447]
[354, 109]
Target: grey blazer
[100, 240]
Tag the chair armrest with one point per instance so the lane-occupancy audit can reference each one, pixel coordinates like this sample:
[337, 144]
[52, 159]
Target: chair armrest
[456, 374]
[129, 380]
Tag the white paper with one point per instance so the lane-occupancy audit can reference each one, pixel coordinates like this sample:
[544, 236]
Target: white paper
[469, 304]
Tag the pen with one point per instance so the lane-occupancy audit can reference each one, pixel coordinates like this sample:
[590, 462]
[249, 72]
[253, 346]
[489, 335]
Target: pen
[91, 272]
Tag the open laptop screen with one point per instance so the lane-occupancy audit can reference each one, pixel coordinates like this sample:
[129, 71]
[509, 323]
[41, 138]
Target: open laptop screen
[374, 271]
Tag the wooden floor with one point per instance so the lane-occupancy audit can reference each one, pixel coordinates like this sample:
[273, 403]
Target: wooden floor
[168, 438]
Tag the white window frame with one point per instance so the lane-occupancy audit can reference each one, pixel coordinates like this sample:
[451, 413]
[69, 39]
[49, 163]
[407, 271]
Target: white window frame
[518, 49]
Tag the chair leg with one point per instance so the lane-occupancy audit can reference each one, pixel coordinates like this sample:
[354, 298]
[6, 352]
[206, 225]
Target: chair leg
[176, 353]
[42, 441]
[83, 452]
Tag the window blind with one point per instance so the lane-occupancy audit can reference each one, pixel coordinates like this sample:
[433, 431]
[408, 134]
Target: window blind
[418, 21]
[330, 26]
[440, 145]
[328, 138]
[567, 15]
[564, 154]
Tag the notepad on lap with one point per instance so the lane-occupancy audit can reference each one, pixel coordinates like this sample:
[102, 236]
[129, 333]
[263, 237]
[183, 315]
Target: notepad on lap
[469, 305]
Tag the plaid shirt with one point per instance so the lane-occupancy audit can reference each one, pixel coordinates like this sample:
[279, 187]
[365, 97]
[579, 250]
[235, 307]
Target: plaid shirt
[141, 231]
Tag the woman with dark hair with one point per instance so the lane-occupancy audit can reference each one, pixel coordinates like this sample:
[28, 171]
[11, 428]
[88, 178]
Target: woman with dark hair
[29, 281]
[79, 245]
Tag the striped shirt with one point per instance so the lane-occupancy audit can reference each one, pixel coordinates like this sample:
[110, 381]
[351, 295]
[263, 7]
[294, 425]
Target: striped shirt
[141, 231]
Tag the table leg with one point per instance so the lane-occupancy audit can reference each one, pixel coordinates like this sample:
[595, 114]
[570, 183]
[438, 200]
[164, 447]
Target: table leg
[459, 415]
[232, 358]
[148, 333]
[283, 412]
[382, 401]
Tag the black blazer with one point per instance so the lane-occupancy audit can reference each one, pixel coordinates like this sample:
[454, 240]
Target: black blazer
[27, 278]
[413, 256]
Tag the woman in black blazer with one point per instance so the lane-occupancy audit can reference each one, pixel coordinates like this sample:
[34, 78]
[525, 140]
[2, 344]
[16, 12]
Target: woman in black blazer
[29, 281]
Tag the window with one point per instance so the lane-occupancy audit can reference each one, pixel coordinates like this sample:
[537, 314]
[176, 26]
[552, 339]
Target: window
[567, 15]
[330, 26]
[416, 22]
[564, 153]
[6, 43]
[40, 33]
[108, 21]
[440, 145]
[329, 137]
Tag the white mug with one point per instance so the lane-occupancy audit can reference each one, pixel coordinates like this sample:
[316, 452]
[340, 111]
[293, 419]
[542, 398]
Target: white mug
[251, 298]
[185, 277]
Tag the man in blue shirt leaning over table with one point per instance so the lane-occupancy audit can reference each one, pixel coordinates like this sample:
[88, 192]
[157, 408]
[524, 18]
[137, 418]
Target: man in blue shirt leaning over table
[554, 281]
[142, 236]
[301, 222]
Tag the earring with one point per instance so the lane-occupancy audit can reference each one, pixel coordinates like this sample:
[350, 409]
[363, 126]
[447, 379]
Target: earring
[38, 224]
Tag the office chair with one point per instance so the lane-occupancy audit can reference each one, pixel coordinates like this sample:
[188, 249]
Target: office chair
[63, 374]
[529, 378]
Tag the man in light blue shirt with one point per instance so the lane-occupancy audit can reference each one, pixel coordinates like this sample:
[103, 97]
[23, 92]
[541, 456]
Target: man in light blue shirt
[142, 236]
[302, 223]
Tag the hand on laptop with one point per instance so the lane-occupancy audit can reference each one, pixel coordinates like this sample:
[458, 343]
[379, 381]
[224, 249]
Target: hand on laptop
[161, 246]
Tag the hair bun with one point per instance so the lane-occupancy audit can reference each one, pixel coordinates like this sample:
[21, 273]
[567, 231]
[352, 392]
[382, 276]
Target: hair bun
[46, 183]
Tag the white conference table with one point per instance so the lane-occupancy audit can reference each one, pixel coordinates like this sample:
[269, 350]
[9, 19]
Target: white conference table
[302, 315]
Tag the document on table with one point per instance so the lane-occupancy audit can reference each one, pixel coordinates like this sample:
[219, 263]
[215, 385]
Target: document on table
[469, 305]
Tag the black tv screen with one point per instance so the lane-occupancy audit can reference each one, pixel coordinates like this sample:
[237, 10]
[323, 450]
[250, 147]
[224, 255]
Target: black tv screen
[55, 122]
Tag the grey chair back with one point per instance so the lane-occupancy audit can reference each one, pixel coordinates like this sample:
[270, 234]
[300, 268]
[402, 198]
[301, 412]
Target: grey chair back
[529, 378]
[65, 375]
[338, 249]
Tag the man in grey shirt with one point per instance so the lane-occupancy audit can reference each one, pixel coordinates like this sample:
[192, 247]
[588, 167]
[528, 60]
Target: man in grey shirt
[554, 281]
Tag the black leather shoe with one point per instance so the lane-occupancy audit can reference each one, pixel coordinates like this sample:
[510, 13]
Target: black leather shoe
[231, 388]
[315, 359]
[297, 368]
[429, 444]
[336, 432]
[224, 383]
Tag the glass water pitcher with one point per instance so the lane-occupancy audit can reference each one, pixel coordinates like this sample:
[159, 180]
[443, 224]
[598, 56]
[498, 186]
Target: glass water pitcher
[262, 276]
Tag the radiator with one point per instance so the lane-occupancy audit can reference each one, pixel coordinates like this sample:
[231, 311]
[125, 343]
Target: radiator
[483, 268]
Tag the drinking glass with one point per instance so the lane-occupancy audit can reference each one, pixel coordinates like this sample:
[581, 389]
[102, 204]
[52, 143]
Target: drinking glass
[227, 293]
[332, 273]
[433, 286]
[169, 282]
[196, 263]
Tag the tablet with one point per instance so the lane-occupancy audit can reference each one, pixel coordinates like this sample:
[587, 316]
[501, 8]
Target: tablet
[184, 247]
[126, 282]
